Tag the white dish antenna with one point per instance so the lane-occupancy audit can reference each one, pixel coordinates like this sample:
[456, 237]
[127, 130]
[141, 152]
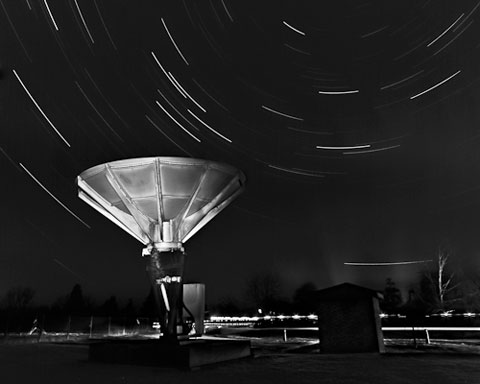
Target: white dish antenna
[161, 201]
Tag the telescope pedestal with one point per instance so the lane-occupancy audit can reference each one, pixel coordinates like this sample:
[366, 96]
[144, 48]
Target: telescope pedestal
[165, 270]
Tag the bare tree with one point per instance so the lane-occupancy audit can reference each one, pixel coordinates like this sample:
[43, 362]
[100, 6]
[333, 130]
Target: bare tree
[445, 276]
[444, 279]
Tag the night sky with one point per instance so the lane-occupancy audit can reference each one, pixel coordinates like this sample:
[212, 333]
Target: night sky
[357, 124]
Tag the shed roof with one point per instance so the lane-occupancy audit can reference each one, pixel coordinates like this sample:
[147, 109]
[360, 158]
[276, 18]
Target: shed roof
[346, 291]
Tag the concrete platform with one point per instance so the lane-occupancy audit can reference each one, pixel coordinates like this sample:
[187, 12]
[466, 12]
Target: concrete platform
[184, 354]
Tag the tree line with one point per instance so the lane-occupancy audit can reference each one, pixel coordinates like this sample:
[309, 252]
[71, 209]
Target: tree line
[20, 301]
[447, 283]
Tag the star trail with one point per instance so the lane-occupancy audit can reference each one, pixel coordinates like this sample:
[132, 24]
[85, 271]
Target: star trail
[356, 123]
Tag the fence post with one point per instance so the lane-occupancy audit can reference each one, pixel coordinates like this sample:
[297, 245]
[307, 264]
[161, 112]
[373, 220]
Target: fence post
[427, 336]
[6, 326]
[41, 327]
[68, 325]
[285, 335]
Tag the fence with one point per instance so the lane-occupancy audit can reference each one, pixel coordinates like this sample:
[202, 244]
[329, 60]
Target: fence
[75, 326]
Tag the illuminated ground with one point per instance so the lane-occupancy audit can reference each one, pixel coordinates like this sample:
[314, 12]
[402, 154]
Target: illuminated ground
[275, 362]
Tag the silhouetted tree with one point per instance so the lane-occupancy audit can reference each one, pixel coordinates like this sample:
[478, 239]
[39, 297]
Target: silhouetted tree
[18, 312]
[110, 307]
[129, 309]
[149, 306]
[392, 297]
[19, 298]
[471, 269]
[304, 298]
[471, 283]
[470, 297]
[228, 306]
[427, 293]
[263, 291]
[75, 304]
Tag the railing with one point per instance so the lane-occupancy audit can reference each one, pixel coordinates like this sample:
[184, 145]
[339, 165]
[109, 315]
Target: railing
[442, 329]
[75, 326]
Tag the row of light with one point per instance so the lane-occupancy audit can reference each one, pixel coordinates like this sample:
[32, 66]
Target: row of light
[257, 318]
[443, 314]
[221, 319]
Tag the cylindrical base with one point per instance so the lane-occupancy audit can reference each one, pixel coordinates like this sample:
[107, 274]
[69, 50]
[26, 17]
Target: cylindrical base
[165, 270]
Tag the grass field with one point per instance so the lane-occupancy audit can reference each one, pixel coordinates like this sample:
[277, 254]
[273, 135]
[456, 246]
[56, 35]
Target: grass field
[274, 362]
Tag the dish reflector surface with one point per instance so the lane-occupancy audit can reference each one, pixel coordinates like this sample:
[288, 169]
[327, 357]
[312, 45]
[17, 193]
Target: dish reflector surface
[160, 199]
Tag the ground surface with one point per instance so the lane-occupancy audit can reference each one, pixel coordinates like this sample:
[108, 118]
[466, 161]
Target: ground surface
[275, 362]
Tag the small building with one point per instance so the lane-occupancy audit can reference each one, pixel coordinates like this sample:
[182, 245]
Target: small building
[194, 307]
[349, 319]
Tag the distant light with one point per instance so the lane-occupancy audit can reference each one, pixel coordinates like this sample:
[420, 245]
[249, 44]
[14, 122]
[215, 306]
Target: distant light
[210, 128]
[84, 22]
[53, 196]
[173, 42]
[160, 65]
[401, 81]
[281, 113]
[435, 86]
[226, 10]
[380, 264]
[176, 84]
[294, 29]
[344, 148]
[338, 92]
[298, 172]
[50, 13]
[371, 150]
[40, 109]
[185, 93]
[374, 32]
[457, 35]
[259, 310]
[180, 125]
[446, 30]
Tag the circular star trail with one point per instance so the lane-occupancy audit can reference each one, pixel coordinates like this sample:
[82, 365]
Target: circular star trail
[356, 123]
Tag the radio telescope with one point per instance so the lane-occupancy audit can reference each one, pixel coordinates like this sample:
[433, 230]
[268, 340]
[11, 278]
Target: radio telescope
[162, 202]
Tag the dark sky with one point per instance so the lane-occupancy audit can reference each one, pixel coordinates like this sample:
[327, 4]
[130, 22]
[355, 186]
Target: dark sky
[357, 124]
